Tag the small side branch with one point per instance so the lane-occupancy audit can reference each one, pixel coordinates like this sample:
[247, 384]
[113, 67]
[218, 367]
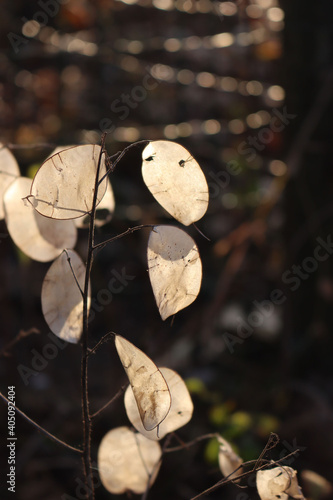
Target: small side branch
[44, 431]
[121, 235]
[115, 397]
[119, 156]
[185, 446]
[73, 273]
[21, 335]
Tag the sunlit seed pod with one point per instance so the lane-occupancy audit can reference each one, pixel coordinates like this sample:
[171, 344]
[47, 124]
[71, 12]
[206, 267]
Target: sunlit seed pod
[278, 483]
[40, 238]
[9, 171]
[62, 302]
[63, 187]
[176, 180]
[127, 461]
[174, 267]
[180, 411]
[149, 387]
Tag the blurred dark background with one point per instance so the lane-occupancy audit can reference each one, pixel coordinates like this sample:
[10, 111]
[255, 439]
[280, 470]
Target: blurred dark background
[247, 88]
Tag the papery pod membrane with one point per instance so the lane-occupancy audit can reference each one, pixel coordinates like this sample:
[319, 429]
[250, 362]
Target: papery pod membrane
[175, 180]
[9, 170]
[40, 238]
[62, 302]
[180, 411]
[104, 211]
[127, 461]
[149, 387]
[229, 461]
[63, 187]
[278, 483]
[174, 267]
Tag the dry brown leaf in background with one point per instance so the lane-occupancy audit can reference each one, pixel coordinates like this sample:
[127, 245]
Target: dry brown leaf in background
[175, 269]
[150, 389]
[62, 302]
[9, 170]
[127, 461]
[180, 411]
[40, 238]
[63, 187]
[175, 180]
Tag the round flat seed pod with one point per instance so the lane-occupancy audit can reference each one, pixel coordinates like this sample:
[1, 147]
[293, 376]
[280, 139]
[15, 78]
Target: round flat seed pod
[104, 211]
[38, 237]
[127, 461]
[9, 170]
[180, 411]
[278, 483]
[62, 302]
[174, 267]
[151, 392]
[176, 180]
[63, 187]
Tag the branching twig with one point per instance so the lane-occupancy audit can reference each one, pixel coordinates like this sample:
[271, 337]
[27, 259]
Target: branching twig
[104, 339]
[121, 235]
[47, 433]
[115, 397]
[230, 479]
[184, 446]
[21, 335]
[119, 156]
[73, 273]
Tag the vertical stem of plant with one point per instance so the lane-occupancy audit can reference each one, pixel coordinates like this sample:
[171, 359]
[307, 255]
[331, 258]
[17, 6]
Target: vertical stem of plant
[86, 417]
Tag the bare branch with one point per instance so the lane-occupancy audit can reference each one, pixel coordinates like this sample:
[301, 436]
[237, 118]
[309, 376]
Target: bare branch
[121, 235]
[115, 397]
[44, 431]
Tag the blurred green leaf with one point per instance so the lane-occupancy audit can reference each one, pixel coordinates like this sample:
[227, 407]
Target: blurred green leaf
[218, 414]
[212, 451]
[195, 385]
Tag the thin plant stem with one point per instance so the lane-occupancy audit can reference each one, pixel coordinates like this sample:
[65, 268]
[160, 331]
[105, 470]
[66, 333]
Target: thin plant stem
[120, 155]
[115, 397]
[86, 417]
[41, 429]
[21, 335]
[73, 273]
[184, 446]
[121, 235]
[104, 339]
